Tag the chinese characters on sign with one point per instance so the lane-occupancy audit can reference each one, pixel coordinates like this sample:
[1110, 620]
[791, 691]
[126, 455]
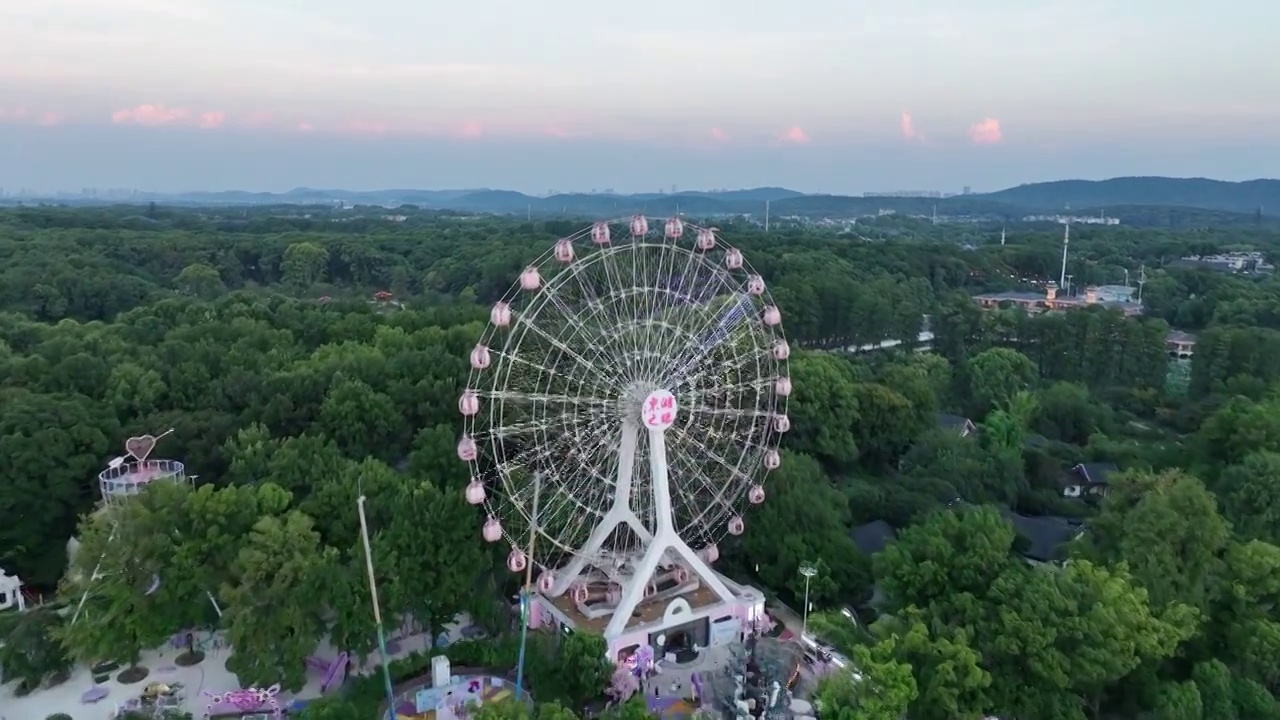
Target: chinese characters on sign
[660, 409]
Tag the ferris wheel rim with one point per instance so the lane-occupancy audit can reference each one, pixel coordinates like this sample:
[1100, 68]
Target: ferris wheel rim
[498, 475]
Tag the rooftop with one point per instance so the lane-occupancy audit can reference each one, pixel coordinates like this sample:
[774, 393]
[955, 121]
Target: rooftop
[947, 420]
[649, 611]
[1042, 537]
[873, 537]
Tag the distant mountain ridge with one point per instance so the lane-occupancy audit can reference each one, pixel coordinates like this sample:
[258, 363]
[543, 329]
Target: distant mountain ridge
[1244, 196]
[1061, 196]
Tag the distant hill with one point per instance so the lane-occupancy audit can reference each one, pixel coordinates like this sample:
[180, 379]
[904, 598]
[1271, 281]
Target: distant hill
[1240, 197]
[1135, 200]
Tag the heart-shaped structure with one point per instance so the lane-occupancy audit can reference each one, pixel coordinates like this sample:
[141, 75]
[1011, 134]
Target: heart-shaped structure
[140, 447]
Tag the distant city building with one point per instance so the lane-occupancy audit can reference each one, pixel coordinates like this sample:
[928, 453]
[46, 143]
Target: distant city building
[1115, 293]
[1180, 345]
[1049, 300]
[1229, 262]
[1074, 219]
[905, 194]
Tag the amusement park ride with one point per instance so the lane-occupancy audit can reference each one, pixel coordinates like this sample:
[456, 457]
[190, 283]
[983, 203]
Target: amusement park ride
[624, 405]
[125, 477]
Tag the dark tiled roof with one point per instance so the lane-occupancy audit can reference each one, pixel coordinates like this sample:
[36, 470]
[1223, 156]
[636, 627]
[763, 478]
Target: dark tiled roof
[1097, 472]
[873, 537]
[1089, 473]
[952, 421]
[1012, 296]
[1043, 537]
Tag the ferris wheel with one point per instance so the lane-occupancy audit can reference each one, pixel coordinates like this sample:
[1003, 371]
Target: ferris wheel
[614, 348]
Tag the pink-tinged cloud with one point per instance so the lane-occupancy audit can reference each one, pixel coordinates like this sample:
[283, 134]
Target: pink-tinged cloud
[555, 131]
[986, 132]
[364, 127]
[211, 120]
[795, 136]
[908, 127]
[259, 119]
[470, 129]
[719, 136]
[19, 114]
[305, 127]
[151, 115]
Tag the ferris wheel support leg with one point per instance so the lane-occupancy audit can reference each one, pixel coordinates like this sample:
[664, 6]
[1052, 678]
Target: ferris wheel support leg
[620, 512]
[84, 596]
[92, 579]
[665, 538]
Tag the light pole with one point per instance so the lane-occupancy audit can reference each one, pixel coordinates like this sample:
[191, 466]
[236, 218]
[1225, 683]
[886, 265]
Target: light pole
[377, 612]
[808, 571]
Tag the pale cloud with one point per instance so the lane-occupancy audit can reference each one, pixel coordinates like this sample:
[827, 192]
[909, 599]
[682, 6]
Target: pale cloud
[717, 135]
[24, 115]
[470, 129]
[795, 135]
[373, 128]
[160, 114]
[555, 131]
[259, 118]
[151, 115]
[986, 132]
[210, 120]
[908, 127]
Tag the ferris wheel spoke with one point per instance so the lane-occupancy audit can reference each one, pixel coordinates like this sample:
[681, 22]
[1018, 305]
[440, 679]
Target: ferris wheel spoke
[602, 269]
[730, 412]
[561, 346]
[511, 358]
[748, 363]
[506, 396]
[580, 328]
[678, 296]
[719, 329]
[585, 285]
[735, 472]
[682, 295]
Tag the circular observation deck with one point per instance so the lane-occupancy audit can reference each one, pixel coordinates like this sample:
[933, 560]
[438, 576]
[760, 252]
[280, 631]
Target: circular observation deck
[122, 482]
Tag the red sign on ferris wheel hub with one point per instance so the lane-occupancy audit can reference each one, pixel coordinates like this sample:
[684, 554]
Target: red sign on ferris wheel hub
[659, 410]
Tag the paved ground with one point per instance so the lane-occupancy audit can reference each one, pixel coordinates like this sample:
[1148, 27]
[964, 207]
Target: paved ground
[199, 683]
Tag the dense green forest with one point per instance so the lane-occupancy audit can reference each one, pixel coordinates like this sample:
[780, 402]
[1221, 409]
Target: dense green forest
[256, 336]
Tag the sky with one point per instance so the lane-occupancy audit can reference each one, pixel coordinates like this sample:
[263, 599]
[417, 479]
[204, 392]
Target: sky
[835, 96]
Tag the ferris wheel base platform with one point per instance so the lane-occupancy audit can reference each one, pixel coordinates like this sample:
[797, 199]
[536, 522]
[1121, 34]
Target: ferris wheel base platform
[694, 615]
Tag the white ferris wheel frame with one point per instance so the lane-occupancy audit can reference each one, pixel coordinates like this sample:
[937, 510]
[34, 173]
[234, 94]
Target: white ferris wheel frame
[663, 542]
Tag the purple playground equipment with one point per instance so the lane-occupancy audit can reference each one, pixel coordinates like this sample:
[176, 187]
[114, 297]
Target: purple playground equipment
[244, 701]
[334, 672]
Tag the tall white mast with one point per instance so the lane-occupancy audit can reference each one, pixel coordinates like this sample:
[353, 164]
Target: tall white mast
[1066, 238]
